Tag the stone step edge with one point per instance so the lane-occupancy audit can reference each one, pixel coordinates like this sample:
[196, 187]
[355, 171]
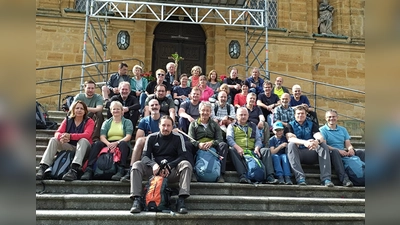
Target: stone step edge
[211, 198]
[206, 185]
[228, 173]
[194, 214]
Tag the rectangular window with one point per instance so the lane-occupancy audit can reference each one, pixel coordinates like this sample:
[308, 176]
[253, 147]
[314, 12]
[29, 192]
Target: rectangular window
[272, 11]
[80, 5]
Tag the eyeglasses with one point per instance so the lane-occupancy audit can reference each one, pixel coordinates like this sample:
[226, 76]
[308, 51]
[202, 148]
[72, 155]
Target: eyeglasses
[160, 74]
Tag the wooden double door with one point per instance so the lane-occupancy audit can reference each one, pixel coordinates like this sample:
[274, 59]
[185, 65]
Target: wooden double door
[188, 40]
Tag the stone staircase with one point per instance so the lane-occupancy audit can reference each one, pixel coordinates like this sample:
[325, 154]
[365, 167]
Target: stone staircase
[107, 202]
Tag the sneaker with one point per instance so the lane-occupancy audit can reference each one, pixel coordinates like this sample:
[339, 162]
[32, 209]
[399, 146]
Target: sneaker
[288, 181]
[302, 182]
[328, 183]
[271, 180]
[243, 180]
[347, 182]
[88, 175]
[281, 180]
[221, 179]
[126, 178]
[70, 175]
[137, 205]
[41, 172]
[180, 206]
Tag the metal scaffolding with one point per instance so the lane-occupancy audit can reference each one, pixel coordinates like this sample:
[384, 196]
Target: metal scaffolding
[251, 16]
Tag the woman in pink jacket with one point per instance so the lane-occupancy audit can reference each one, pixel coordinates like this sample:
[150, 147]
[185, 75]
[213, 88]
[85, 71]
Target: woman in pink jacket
[206, 91]
[74, 133]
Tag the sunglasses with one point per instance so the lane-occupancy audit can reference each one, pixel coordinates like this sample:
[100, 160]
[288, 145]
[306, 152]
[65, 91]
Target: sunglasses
[160, 74]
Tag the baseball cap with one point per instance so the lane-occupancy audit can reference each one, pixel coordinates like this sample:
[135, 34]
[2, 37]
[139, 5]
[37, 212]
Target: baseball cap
[278, 125]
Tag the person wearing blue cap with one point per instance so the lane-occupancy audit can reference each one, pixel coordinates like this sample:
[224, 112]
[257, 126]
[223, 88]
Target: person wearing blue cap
[277, 146]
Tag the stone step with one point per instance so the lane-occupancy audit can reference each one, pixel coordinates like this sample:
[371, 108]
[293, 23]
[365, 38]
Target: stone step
[198, 217]
[205, 202]
[40, 150]
[312, 174]
[201, 188]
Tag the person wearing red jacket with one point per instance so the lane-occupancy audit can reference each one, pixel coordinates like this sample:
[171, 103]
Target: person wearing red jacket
[74, 133]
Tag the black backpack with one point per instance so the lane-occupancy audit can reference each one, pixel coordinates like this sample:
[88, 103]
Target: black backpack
[42, 121]
[67, 102]
[105, 167]
[60, 165]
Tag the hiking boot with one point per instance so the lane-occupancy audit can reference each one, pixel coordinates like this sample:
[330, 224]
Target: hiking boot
[281, 180]
[288, 181]
[126, 178]
[194, 178]
[221, 179]
[271, 180]
[137, 205]
[41, 171]
[88, 175]
[120, 173]
[347, 182]
[243, 180]
[180, 206]
[302, 182]
[328, 183]
[70, 175]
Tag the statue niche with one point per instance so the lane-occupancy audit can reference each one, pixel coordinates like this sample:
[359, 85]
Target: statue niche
[325, 18]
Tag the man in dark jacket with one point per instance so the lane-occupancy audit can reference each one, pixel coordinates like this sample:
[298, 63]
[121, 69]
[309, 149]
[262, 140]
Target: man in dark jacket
[129, 102]
[111, 87]
[159, 146]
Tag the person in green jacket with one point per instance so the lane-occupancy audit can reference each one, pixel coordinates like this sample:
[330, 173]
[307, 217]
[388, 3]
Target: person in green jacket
[207, 134]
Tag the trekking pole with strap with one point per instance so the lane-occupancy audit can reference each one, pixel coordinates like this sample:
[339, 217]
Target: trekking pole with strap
[212, 152]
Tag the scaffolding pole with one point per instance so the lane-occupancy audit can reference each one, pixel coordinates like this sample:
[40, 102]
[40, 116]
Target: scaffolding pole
[163, 12]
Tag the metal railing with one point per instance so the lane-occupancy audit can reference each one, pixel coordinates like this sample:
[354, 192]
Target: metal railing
[313, 89]
[98, 77]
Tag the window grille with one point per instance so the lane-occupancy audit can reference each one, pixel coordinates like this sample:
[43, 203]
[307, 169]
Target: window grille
[272, 11]
[80, 5]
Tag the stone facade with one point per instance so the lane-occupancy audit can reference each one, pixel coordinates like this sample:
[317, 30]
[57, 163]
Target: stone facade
[293, 48]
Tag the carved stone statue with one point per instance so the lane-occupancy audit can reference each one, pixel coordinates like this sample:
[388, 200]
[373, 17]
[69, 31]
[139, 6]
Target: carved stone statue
[325, 17]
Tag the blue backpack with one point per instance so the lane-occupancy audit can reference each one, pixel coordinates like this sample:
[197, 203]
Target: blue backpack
[207, 166]
[60, 165]
[255, 168]
[355, 169]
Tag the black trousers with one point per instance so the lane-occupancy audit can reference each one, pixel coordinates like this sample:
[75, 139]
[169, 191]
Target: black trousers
[240, 166]
[98, 145]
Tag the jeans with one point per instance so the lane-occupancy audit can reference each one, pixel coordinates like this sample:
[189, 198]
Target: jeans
[142, 100]
[281, 165]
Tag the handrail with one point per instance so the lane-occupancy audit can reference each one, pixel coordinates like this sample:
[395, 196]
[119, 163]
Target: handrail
[83, 64]
[61, 79]
[314, 93]
[303, 79]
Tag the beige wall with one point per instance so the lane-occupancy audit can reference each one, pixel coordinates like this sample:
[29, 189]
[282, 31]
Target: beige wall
[294, 51]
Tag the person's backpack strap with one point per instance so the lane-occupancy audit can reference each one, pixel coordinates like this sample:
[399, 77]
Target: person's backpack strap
[215, 108]
[228, 108]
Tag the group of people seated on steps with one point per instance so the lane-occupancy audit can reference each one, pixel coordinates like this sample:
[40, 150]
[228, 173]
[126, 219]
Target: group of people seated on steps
[230, 115]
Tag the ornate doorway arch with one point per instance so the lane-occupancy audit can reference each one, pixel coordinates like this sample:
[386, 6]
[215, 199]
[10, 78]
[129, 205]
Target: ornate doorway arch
[188, 40]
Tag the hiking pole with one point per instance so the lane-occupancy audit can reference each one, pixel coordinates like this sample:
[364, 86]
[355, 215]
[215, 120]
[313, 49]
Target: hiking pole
[212, 152]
